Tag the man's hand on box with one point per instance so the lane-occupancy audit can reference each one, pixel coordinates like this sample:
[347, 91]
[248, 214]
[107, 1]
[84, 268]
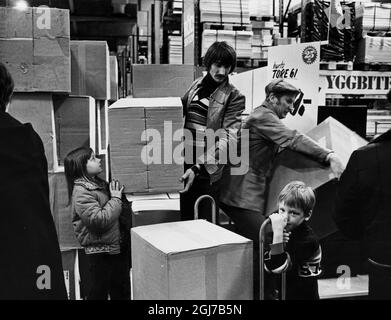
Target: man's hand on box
[336, 165]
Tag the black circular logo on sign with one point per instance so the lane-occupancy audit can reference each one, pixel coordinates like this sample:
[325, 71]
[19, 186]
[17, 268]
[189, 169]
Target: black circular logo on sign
[309, 55]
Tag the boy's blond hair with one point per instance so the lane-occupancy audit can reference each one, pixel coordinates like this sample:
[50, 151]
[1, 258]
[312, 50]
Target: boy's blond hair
[297, 195]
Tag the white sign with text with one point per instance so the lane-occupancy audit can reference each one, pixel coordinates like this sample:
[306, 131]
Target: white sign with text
[298, 64]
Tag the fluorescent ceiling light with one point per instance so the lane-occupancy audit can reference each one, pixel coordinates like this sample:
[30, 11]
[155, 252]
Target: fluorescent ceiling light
[21, 5]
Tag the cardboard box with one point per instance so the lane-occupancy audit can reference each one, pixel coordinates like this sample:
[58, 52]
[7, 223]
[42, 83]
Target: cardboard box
[374, 50]
[34, 45]
[104, 155]
[61, 211]
[75, 119]
[17, 56]
[154, 209]
[37, 109]
[290, 166]
[239, 40]
[102, 125]
[90, 69]
[149, 81]
[113, 78]
[262, 24]
[191, 260]
[284, 41]
[139, 163]
[15, 23]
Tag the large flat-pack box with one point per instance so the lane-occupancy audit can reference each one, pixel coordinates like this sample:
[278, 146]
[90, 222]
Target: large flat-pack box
[142, 144]
[75, 121]
[114, 94]
[61, 210]
[153, 209]
[372, 17]
[291, 165]
[239, 40]
[162, 80]
[102, 125]
[190, 260]
[374, 50]
[104, 156]
[37, 108]
[35, 47]
[90, 69]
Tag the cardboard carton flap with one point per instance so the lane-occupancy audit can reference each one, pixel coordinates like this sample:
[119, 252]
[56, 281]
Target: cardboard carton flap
[291, 165]
[176, 237]
[156, 205]
[147, 102]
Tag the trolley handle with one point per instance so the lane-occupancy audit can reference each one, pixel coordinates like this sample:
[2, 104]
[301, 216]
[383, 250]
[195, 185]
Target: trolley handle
[261, 264]
[213, 202]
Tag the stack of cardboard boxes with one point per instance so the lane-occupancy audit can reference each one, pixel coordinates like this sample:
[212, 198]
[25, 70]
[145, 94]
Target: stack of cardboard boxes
[262, 38]
[260, 8]
[142, 129]
[142, 144]
[226, 20]
[373, 33]
[34, 45]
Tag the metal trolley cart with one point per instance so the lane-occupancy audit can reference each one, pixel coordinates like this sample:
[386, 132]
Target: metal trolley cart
[261, 267]
[213, 204]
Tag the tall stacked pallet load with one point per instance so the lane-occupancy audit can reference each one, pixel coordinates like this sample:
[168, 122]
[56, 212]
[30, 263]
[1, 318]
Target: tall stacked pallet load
[226, 20]
[260, 8]
[175, 46]
[321, 22]
[373, 32]
[262, 21]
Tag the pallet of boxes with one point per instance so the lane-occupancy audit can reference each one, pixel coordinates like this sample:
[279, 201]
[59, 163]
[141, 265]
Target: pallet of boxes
[373, 33]
[227, 20]
[262, 21]
[170, 259]
[62, 88]
[317, 20]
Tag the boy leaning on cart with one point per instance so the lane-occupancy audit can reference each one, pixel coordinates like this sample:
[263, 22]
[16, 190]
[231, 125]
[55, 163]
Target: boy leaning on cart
[294, 248]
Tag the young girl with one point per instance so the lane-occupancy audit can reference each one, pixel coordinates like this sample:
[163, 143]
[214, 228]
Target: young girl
[96, 209]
